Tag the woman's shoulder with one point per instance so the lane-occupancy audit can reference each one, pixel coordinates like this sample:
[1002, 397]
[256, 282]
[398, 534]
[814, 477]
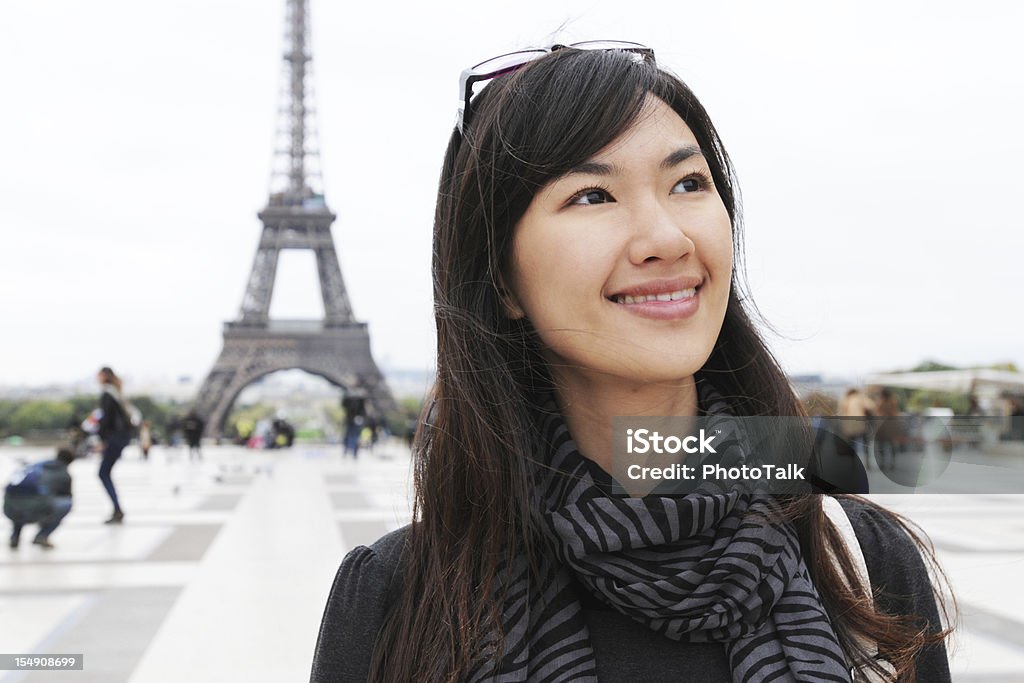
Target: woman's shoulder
[900, 579]
[386, 551]
[891, 554]
[368, 573]
[362, 591]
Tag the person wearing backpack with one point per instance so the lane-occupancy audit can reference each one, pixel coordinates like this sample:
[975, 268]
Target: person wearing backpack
[39, 493]
[115, 432]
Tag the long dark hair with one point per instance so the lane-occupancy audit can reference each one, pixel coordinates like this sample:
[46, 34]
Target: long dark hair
[472, 502]
[110, 377]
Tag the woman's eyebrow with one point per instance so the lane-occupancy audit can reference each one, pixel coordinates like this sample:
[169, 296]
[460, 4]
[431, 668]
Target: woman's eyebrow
[601, 168]
[680, 155]
[592, 168]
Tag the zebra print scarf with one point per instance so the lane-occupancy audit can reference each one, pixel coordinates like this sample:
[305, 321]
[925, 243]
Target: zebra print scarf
[706, 567]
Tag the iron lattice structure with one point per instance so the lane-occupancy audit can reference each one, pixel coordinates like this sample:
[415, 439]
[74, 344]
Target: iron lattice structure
[337, 347]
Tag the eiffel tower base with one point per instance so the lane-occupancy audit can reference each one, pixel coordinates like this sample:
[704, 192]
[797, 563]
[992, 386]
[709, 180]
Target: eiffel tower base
[339, 353]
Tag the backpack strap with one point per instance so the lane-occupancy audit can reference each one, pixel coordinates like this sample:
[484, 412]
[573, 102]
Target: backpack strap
[841, 521]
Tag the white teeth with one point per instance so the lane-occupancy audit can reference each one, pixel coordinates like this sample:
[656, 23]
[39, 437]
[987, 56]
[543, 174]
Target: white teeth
[684, 294]
[668, 296]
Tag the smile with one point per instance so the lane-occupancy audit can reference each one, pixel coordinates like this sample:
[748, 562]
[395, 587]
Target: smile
[677, 295]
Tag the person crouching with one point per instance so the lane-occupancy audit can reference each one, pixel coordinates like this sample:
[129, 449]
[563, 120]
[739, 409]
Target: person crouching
[39, 493]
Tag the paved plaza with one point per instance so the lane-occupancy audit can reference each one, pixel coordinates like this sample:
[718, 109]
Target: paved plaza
[222, 568]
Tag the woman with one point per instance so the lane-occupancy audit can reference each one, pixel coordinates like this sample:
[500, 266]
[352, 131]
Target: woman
[114, 432]
[584, 240]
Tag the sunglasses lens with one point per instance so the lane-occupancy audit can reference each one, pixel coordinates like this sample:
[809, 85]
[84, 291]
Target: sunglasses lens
[609, 45]
[640, 53]
[500, 65]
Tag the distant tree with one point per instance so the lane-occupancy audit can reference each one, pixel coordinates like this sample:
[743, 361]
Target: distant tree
[39, 415]
[334, 414]
[409, 408]
[932, 366]
[157, 412]
[21, 417]
[7, 408]
[82, 405]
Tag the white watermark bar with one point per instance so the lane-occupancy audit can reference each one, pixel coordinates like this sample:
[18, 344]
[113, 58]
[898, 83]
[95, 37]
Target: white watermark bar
[665, 455]
[34, 662]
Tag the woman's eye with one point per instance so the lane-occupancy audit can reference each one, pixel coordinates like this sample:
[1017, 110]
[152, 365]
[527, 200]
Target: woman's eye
[592, 196]
[691, 184]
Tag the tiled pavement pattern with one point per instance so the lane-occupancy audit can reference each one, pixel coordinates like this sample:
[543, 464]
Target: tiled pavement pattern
[979, 540]
[219, 573]
[222, 568]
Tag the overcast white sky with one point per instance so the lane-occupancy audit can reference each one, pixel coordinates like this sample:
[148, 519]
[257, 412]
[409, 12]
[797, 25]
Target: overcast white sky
[878, 146]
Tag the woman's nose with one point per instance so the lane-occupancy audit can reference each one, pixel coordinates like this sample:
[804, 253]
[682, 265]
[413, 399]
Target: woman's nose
[659, 235]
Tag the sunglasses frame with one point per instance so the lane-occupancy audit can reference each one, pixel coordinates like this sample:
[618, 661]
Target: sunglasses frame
[475, 74]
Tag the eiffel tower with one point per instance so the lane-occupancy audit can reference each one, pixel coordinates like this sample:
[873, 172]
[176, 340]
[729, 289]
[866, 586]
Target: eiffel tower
[337, 347]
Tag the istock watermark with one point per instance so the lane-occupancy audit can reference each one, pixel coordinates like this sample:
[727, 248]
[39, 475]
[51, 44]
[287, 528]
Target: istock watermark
[645, 441]
[787, 455]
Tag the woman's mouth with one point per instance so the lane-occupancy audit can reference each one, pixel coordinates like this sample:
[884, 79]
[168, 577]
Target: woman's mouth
[675, 304]
[677, 295]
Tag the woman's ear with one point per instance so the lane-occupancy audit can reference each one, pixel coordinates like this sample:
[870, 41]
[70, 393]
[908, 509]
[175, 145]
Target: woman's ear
[509, 302]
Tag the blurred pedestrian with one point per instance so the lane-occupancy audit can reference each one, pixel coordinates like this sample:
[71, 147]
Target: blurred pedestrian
[354, 436]
[145, 438]
[39, 493]
[889, 430]
[192, 428]
[173, 431]
[244, 428]
[355, 419]
[855, 407]
[115, 431]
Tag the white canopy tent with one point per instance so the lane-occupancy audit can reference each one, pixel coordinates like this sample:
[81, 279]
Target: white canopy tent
[976, 382]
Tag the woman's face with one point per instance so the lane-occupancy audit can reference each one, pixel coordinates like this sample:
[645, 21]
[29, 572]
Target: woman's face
[623, 266]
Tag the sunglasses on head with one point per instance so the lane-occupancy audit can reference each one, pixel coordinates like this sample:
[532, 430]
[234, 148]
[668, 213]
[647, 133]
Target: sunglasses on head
[513, 61]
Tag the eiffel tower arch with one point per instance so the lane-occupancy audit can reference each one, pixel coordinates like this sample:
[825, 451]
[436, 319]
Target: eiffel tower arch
[337, 347]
